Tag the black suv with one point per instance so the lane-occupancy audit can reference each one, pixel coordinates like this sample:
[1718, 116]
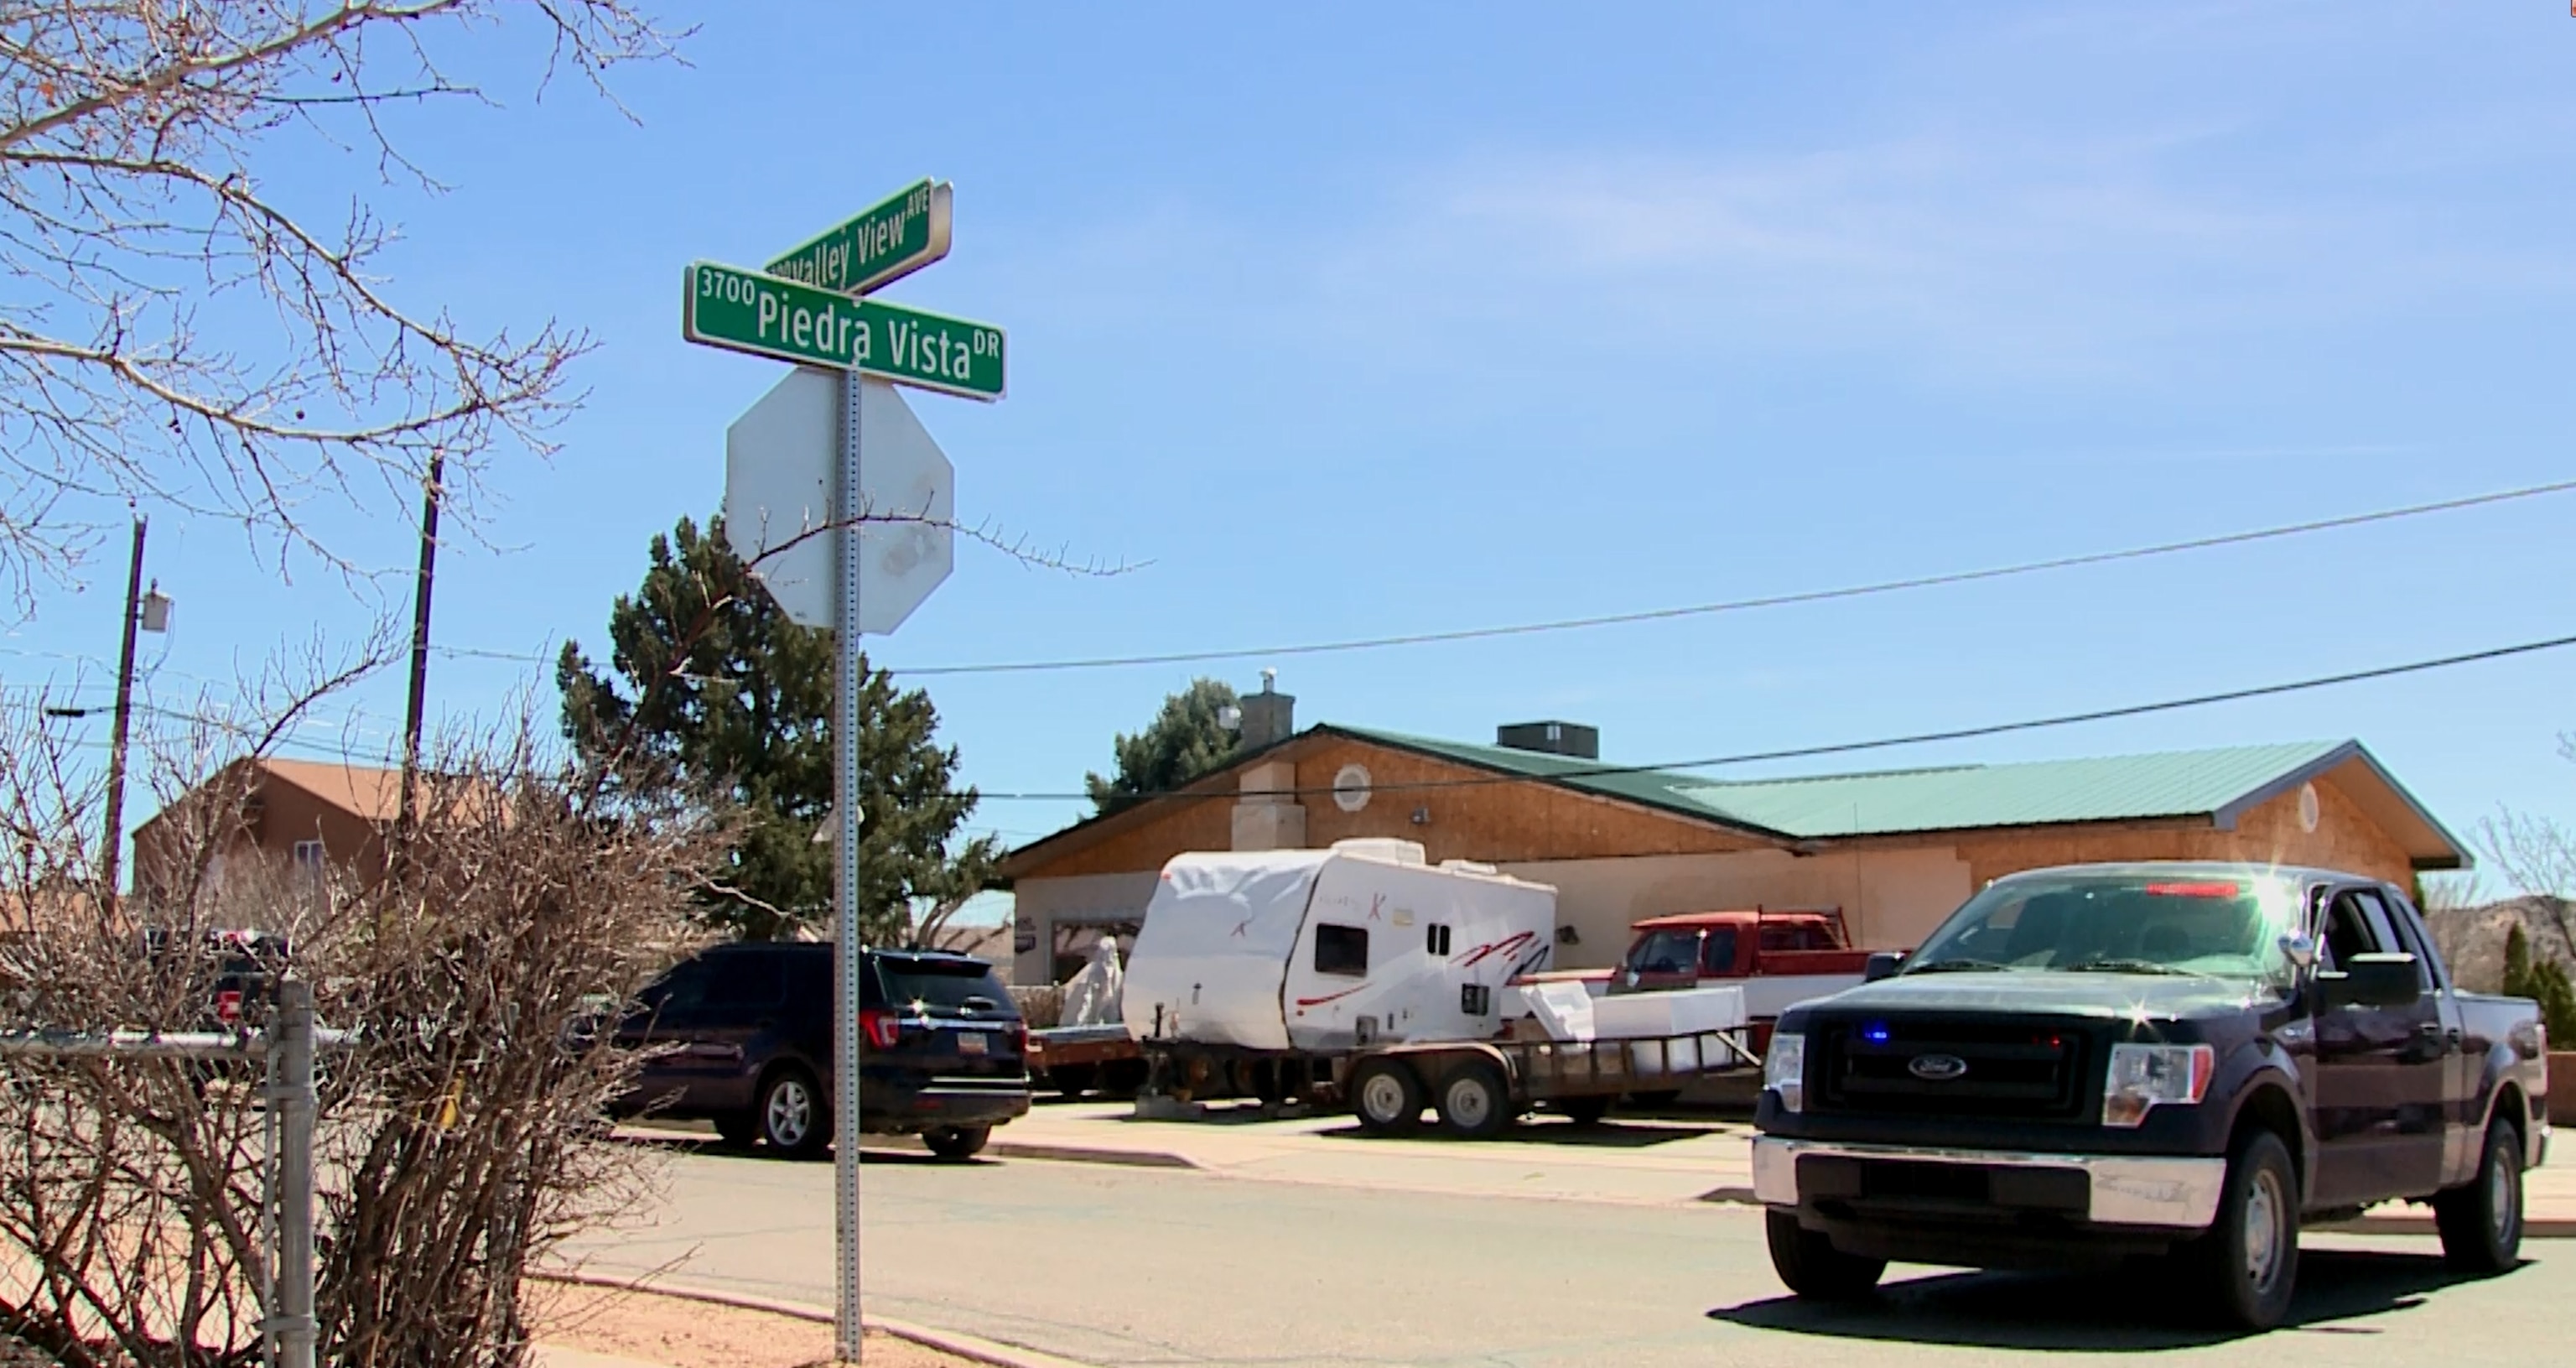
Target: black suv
[741, 1035]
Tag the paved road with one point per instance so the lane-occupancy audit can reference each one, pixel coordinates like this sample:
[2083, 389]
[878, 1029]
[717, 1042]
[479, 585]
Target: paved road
[1130, 1266]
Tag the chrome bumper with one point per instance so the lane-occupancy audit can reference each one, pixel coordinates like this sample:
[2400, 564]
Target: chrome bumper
[2179, 1194]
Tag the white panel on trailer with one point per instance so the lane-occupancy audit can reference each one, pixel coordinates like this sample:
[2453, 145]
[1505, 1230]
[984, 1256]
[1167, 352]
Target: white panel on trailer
[1214, 947]
[1314, 949]
[1767, 996]
[1428, 935]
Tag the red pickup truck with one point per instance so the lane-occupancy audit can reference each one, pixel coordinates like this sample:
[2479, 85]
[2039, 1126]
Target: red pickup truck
[1780, 956]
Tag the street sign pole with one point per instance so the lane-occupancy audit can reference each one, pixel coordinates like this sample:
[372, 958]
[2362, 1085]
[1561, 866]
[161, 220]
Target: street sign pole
[845, 867]
[808, 307]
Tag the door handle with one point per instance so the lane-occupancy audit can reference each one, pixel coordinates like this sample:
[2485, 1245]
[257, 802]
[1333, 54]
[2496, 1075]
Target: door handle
[2434, 1033]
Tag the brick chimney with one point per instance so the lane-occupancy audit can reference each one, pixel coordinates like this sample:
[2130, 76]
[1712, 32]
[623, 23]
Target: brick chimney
[1267, 815]
[1269, 717]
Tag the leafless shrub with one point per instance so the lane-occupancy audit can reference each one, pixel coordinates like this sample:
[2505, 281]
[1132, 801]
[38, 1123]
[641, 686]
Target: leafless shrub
[457, 1138]
[1041, 1005]
[2537, 857]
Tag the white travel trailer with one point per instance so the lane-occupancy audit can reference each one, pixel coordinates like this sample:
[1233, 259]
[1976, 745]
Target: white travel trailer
[1322, 952]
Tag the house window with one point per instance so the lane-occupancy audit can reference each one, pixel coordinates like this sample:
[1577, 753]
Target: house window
[1341, 950]
[308, 854]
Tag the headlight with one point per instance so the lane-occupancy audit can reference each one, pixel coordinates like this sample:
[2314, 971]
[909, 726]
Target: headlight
[2144, 1077]
[2530, 1040]
[1784, 1069]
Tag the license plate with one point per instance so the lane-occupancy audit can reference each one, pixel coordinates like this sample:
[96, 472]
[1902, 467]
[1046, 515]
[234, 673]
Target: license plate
[970, 1042]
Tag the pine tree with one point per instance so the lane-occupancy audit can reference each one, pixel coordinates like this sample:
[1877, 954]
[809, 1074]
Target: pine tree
[1185, 740]
[2543, 981]
[718, 692]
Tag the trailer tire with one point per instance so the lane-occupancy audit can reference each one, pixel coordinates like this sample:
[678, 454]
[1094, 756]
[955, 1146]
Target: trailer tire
[1476, 1101]
[1584, 1111]
[1386, 1097]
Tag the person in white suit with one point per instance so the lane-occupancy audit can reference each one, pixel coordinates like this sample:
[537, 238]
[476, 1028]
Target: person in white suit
[1094, 995]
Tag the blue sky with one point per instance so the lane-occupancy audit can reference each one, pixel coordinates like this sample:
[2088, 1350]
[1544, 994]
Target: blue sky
[1346, 320]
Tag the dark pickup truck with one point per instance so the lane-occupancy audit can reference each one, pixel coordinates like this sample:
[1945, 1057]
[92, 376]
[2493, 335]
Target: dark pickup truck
[2171, 1061]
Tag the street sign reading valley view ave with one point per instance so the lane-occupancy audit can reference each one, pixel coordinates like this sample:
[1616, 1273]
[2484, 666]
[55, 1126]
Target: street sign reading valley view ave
[770, 316]
[879, 247]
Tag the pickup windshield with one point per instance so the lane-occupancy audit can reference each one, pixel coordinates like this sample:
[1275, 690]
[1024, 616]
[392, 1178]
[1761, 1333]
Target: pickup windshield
[2110, 923]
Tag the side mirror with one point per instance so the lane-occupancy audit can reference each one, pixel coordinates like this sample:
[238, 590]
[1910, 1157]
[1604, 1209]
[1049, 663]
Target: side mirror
[2373, 981]
[1882, 964]
[2302, 951]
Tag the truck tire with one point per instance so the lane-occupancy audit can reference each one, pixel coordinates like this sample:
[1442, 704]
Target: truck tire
[1071, 1081]
[2481, 1223]
[1476, 1101]
[793, 1117]
[1809, 1265]
[956, 1142]
[2247, 1266]
[1386, 1097]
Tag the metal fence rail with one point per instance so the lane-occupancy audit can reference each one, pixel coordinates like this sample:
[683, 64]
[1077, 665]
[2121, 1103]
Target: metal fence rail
[287, 1327]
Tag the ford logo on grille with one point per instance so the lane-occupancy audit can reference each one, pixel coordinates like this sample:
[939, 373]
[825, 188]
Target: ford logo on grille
[1937, 1068]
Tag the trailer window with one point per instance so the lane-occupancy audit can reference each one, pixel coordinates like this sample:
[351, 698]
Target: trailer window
[1341, 950]
[1439, 938]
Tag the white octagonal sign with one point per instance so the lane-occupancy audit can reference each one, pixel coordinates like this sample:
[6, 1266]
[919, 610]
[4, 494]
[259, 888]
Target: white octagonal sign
[781, 456]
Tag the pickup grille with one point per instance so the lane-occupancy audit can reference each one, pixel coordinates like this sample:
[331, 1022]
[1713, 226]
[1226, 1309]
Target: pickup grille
[1949, 1067]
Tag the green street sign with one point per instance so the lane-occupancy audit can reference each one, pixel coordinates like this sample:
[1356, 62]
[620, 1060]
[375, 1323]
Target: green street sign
[880, 246]
[746, 311]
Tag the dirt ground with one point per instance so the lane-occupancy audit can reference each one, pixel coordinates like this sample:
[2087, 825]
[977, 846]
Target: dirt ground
[692, 1334]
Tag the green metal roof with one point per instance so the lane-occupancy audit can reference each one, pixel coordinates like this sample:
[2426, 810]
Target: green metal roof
[2123, 788]
[2202, 783]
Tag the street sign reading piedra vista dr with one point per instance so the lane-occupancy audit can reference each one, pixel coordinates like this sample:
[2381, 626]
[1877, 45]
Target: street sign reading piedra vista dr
[773, 456]
[881, 245]
[768, 316]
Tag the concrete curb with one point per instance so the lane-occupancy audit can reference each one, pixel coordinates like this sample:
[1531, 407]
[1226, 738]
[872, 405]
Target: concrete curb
[964, 1346]
[1054, 1154]
[2540, 1229]
[1077, 1154]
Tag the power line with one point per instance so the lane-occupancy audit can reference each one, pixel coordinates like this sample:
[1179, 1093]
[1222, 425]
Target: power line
[1741, 605]
[1690, 610]
[1581, 771]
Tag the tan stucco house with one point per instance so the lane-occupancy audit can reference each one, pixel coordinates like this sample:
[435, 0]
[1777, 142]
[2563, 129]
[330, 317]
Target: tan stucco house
[1894, 851]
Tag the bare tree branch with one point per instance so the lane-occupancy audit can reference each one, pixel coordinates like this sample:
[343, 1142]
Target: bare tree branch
[177, 334]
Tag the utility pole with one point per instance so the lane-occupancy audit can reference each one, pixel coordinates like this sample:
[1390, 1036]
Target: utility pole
[124, 712]
[429, 497]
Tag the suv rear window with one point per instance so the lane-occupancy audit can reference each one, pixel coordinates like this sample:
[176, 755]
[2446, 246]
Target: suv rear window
[942, 985]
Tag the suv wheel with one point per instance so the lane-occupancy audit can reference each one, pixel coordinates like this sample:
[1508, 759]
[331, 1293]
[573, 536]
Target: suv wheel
[956, 1142]
[2248, 1263]
[2481, 1224]
[1809, 1265]
[792, 1116]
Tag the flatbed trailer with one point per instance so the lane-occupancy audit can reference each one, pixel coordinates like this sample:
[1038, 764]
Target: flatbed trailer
[1480, 1087]
[1073, 1060]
